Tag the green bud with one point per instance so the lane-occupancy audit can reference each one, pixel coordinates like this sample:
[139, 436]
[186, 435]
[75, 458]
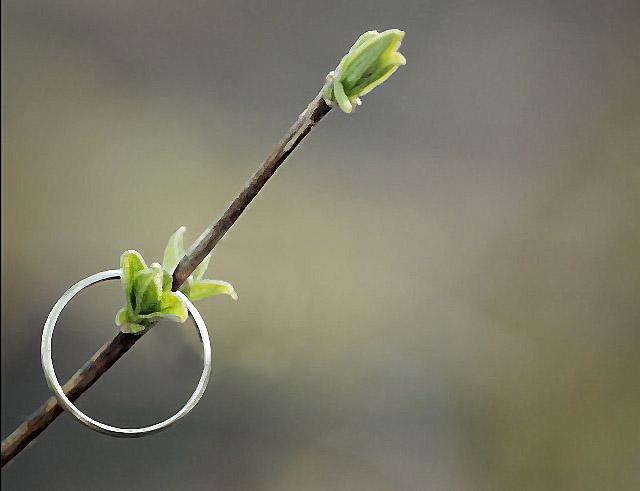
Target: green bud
[148, 288]
[370, 61]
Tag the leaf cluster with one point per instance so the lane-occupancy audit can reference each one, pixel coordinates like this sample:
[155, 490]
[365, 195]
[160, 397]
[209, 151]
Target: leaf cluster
[148, 292]
[370, 61]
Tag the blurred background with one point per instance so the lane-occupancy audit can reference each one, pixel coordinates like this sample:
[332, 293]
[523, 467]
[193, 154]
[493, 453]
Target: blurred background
[440, 291]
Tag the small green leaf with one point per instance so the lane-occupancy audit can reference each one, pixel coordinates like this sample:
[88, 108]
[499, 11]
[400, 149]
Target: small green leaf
[199, 272]
[208, 288]
[364, 56]
[147, 290]
[364, 37]
[341, 98]
[367, 84]
[122, 317]
[131, 262]
[174, 250]
[173, 307]
[167, 281]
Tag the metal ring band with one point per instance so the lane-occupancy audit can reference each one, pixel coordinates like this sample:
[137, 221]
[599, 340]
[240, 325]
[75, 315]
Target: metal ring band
[54, 384]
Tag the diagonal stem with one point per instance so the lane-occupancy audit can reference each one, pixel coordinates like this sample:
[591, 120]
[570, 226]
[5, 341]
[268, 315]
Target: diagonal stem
[111, 352]
[210, 237]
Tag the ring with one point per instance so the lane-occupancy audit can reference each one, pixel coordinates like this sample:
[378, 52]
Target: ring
[56, 388]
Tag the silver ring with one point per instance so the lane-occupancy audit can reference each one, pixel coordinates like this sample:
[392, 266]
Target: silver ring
[56, 388]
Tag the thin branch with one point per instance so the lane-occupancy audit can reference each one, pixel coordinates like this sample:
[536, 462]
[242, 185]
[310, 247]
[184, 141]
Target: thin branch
[106, 356]
[84, 378]
[210, 237]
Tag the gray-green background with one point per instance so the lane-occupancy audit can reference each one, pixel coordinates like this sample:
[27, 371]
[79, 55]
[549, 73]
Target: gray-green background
[441, 291]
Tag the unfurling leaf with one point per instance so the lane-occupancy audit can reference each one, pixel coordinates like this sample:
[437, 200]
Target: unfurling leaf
[147, 290]
[122, 317]
[149, 296]
[131, 262]
[167, 280]
[173, 307]
[174, 250]
[208, 288]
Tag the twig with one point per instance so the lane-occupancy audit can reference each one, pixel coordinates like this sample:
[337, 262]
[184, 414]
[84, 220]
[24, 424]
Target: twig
[84, 378]
[314, 112]
[106, 356]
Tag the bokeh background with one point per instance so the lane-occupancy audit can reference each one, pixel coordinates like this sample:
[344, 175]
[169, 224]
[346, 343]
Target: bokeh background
[441, 291]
